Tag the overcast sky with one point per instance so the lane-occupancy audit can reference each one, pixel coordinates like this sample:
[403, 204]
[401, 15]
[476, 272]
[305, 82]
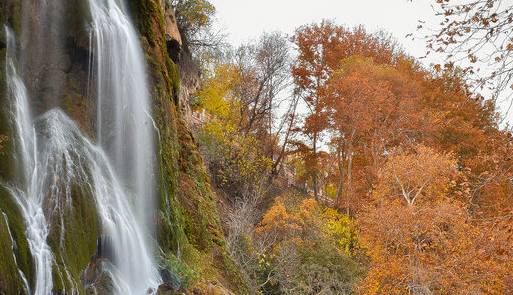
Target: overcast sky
[245, 20]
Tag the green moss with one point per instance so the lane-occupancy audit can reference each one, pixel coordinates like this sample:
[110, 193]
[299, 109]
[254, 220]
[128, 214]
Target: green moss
[77, 17]
[73, 253]
[10, 279]
[10, 14]
[187, 276]
[7, 170]
[175, 78]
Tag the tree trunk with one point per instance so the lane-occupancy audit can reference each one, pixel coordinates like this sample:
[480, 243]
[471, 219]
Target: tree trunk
[340, 184]
[350, 172]
[314, 172]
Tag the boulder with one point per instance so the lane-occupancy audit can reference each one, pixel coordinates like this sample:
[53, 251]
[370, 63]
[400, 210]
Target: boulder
[166, 289]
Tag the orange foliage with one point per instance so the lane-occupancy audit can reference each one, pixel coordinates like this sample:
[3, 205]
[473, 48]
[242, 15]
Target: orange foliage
[429, 245]
[416, 157]
[431, 248]
[293, 225]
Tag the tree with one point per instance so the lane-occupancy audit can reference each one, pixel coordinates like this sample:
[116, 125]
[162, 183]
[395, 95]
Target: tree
[195, 19]
[430, 249]
[248, 92]
[245, 140]
[477, 32]
[417, 234]
[311, 72]
[264, 69]
[322, 48]
[313, 252]
[371, 110]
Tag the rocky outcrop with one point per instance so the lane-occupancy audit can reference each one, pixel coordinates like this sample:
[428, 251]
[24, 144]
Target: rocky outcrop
[179, 52]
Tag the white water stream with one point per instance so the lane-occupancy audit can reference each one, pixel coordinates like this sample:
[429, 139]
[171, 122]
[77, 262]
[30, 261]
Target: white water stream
[118, 170]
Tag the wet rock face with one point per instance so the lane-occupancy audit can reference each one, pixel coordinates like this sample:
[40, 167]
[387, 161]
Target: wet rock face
[178, 51]
[171, 279]
[96, 278]
[54, 57]
[171, 28]
[173, 37]
[104, 248]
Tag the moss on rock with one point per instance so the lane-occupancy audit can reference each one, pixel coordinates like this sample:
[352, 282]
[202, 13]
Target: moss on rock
[75, 242]
[10, 279]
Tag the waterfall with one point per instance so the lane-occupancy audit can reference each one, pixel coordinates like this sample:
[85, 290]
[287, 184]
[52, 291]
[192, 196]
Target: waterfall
[117, 170]
[124, 124]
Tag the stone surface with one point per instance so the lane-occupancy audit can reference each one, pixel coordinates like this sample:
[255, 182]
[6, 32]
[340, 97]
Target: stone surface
[96, 278]
[171, 29]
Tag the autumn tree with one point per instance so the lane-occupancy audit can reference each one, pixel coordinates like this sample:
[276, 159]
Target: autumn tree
[311, 73]
[249, 122]
[415, 250]
[468, 126]
[423, 173]
[370, 111]
[417, 232]
[418, 157]
[322, 47]
[243, 96]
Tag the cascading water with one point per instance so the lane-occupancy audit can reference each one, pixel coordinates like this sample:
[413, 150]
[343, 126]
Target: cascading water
[118, 171]
[124, 124]
[31, 204]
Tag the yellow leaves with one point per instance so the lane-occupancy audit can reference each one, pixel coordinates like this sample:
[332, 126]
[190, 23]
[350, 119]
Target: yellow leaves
[196, 13]
[426, 241]
[214, 96]
[339, 227]
[309, 222]
[307, 208]
[278, 219]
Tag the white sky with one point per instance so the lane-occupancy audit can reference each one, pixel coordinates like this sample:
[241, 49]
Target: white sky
[245, 20]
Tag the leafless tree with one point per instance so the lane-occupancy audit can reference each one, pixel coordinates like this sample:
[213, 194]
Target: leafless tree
[477, 35]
